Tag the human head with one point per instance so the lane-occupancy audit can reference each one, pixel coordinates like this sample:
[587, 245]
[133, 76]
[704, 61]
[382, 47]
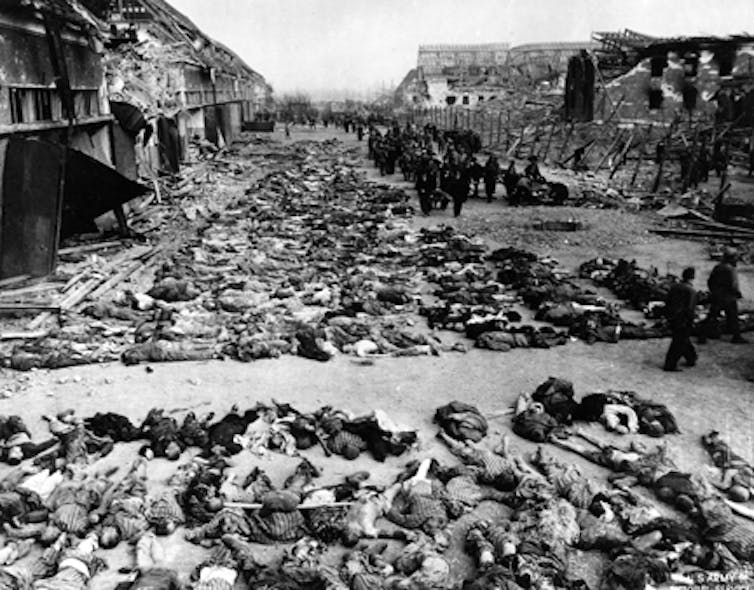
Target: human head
[173, 451]
[688, 274]
[15, 455]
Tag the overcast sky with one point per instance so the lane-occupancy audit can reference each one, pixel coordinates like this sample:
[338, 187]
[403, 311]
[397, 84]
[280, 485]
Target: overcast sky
[361, 45]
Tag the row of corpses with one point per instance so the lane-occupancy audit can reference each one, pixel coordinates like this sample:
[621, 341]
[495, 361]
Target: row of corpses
[274, 275]
[553, 514]
[476, 290]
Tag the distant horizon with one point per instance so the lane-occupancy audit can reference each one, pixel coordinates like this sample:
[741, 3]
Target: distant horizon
[334, 49]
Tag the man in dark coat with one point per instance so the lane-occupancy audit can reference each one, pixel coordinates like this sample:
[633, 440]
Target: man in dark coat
[510, 180]
[426, 181]
[476, 172]
[491, 172]
[724, 294]
[679, 309]
[532, 170]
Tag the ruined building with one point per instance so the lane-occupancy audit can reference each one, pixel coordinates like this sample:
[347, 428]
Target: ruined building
[469, 75]
[58, 165]
[92, 102]
[645, 78]
[192, 86]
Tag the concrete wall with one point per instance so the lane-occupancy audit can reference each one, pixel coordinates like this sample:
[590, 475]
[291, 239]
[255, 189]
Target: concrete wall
[440, 91]
[433, 58]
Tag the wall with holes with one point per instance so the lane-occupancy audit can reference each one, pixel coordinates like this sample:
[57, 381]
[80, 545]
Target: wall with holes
[666, 87]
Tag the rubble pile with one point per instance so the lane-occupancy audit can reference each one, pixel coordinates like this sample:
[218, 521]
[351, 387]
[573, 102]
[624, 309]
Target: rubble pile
[138, 74]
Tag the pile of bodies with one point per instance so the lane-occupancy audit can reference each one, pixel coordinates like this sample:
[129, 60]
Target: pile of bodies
[631, 283]
[314, 260]
[477, 291]
[645, 290]
[552, 407]
[551, 515]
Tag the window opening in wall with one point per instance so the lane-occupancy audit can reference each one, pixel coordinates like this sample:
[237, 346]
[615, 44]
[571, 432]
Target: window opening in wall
[16, 106]
[658, 63]
[465, 100]
[42, 105]
[450, 100]
[655, 98]
[35, 105]
[689, 97]
[481, 98]
[690, 64]
[725, 58]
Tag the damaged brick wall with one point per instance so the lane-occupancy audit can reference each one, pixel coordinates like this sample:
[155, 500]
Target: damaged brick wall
[665, 86]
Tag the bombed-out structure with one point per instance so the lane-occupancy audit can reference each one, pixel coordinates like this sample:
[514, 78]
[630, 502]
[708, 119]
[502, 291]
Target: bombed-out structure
[94, 97]
[59, 169]
[660, 79]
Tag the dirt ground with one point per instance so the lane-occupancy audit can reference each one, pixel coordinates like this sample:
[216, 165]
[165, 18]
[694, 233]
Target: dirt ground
[716, 394]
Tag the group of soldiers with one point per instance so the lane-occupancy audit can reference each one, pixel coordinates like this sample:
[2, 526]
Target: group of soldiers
[696, 162]
[444, 167]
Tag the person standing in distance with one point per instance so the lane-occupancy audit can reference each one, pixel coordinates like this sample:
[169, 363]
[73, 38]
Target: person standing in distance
[680, 307]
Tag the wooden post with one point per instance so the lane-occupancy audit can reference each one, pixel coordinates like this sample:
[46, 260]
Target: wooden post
[565, 141]
[499, 126]
[686, 180]
[547, 145]
[519, 140]
[641, 155]
[508, 131]
[533, 147]
[622, 154]
[609, 151]
[661, 164]
[605, 126]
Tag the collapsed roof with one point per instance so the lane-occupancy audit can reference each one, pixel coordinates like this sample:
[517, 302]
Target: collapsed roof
[69, 12]
[189, 43]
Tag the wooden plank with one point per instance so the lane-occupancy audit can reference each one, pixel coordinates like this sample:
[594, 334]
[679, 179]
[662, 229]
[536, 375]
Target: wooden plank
[565, 141]
[14, 280]
[23, 335]
[74, 280]
[547, 145]
[609, 151]
[702, 234]
[122, 275]
[78, 295]
[90, 247]
[8, 307]
[622, 154]
[518, 142]
[605, 126]
[641, 155]
[40, 288]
